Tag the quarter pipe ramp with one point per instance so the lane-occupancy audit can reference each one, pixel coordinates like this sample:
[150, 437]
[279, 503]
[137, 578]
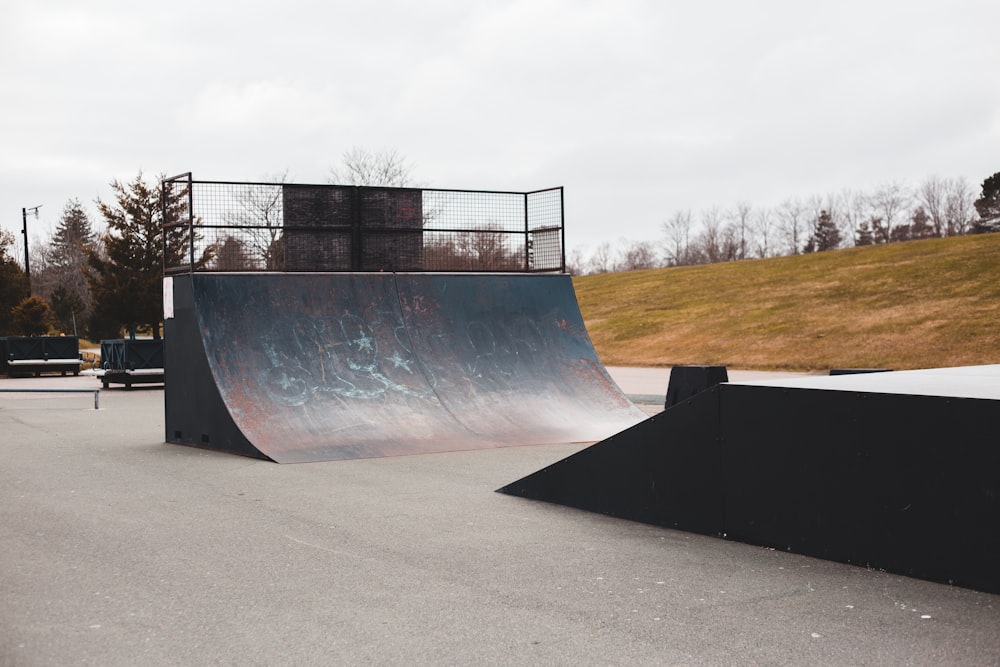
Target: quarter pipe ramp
[315, 367]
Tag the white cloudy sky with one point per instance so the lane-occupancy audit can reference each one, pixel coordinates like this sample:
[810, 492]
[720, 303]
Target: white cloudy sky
[638, 107]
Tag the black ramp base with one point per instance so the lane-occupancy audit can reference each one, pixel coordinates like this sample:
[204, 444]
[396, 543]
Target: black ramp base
[194, 411]
[905, 482]
[314, 367]
[666, 471]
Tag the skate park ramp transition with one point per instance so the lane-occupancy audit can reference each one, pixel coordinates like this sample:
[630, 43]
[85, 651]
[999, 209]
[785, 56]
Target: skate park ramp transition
[328, 366]
[894, 471]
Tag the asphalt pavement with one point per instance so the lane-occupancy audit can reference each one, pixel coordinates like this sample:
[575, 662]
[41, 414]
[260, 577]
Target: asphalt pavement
[119, 549]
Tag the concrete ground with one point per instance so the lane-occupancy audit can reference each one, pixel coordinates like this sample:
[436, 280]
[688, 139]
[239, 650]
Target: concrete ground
[118, 549]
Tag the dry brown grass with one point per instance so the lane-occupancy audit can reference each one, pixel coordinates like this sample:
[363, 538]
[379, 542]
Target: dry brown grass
[918, 304]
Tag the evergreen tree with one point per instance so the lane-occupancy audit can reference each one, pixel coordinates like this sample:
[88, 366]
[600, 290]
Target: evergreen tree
[900, 233]
[67, 257]
[31, 317]
[73, 236]
[880, 230]
[921, 226]
[826, 235]
[864, 235]
[232, 255]
[126, 280]
[988, 206]
[13, 283]
[68, 309]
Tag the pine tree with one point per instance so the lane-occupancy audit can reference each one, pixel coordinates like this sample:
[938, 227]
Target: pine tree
[232, 255]
[68, 309]
[73, 234]
[13, 283]
[921, 227]
[988, 206]
[126, 279]
[826, 235]
[864, 235]
[900, 233]
[68, 254]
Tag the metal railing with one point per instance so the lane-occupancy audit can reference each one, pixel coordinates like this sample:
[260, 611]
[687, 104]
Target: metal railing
[233, 226]
[49, 390]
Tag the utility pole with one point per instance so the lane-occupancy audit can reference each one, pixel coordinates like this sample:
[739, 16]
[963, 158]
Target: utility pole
[24, 230]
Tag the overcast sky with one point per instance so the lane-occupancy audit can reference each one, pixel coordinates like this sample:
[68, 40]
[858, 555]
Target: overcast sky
[638, 107]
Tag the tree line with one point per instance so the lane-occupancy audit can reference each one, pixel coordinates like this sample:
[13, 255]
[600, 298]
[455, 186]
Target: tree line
[109, 284]
[889, 213]
[97, 285]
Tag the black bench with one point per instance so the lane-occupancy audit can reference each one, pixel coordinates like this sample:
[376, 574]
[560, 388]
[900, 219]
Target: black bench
[34, 355]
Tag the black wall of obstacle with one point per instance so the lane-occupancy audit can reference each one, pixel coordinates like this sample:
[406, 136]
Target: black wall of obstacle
[904, 483]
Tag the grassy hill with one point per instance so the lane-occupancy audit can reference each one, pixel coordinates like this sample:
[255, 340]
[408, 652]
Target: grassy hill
[919, 304]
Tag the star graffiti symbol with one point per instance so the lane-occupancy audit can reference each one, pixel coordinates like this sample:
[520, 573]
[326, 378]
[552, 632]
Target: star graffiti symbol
[364, 343]
[399, 362]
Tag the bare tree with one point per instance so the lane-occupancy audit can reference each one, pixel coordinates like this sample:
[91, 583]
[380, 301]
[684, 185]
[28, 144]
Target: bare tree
[730, 243]
[793, 223]
[814, 205]
[601, 260]
[360, 166]
[576, 262]
[487, 249]
[889, 202]
[710, 241]
[45, 277]
[443, 254]
[636, 256]
[959, 207]
[931, 195]
[854, 212]
[762, 224]
[677, 238]
[259, 213]
[742, 223]
[492, 251]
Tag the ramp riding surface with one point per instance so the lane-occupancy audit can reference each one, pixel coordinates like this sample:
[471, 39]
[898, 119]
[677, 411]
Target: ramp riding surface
[315, 367]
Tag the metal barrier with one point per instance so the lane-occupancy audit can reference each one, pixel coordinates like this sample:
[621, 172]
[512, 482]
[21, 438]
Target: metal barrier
[34, 390]
[131, 361]
[132, 354]
[232, 226]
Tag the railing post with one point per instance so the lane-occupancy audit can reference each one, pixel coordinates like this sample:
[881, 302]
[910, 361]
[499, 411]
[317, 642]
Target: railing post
[527, 236]
[190, 207]
[168, 226]
[164, 228]
[562, 230]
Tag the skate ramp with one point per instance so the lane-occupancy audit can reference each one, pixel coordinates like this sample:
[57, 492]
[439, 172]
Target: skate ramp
[315, 367]
[893, 471]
